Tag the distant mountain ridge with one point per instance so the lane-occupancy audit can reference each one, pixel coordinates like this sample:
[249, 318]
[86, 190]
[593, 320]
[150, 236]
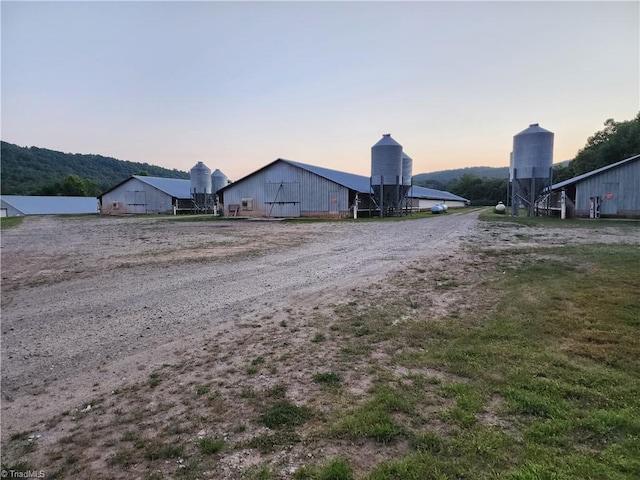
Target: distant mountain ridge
[31, 170]
[445, 176]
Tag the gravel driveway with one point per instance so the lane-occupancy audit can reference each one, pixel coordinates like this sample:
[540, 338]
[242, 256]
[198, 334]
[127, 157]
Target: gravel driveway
[88, 302]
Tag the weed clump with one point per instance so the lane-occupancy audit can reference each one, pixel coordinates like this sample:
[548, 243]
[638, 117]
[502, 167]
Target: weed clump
[285, 414]
[336, 469]
[210, 446]
[329, 379]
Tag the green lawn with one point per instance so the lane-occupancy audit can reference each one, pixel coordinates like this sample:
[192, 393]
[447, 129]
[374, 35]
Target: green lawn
[555, 369]
[10, 222]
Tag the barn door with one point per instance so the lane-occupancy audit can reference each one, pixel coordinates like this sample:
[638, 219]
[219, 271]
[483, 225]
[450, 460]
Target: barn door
[609, 201]
[334, 205]
[136, 201]
[282, 199]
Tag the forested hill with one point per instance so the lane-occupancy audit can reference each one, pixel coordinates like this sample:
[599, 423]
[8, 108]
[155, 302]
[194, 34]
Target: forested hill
[38, 171]
[440, 180]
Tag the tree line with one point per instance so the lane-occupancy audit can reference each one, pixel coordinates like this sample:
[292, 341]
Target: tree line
[39, 171]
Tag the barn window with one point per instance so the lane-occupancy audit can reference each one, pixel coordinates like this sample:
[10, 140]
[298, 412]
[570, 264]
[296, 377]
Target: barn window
[247, 204]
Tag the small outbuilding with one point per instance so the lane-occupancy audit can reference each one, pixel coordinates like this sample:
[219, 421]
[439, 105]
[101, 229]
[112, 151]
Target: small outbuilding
[18, 205]
[141, 194]
[423, 199]
[612, 191]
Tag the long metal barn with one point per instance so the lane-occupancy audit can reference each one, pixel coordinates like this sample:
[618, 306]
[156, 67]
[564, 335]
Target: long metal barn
[611, 191]
[285, 188]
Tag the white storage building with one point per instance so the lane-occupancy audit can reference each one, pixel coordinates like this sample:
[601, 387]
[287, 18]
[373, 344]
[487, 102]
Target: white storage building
[18, 205]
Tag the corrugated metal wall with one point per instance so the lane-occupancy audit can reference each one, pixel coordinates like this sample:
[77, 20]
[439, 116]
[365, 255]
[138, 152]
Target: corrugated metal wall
[134, 196]
[284, 190]
[617, 188]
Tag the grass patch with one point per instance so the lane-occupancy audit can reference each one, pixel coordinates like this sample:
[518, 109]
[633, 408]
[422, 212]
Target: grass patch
[355, 349]
[285, 414]
[202, 390]
[210, 446]
[154, 380]
[554, 222]
[10, 222]
[375, 418]
[562, 352]
[329, 379]
[158, 450]
[318, 338]
[122, 458]
[19, 436]
[257, 361]
[277, 391]
[258, 472]
[468, 403]
[248, 393]
[426, 442]
[545, 386]
[270, 442]
[239, 428]
[21, 466]
[336, 469]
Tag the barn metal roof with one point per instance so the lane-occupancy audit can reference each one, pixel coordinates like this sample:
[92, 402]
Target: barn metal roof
[579, 178]
[176, 187]
[350, 180]
[50, 205]
[433, 194]
[362, 184]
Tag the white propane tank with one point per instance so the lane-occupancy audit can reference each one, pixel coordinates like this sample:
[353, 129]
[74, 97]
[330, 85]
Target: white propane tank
[500, 208]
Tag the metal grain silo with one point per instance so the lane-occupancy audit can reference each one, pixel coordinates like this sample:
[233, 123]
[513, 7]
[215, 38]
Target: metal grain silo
[407, 175]
[532, 161]
[200, 176]
[510, 167]
[218, 180]
[386, 161]
[407, 170]
[386, 173]
[533, 152]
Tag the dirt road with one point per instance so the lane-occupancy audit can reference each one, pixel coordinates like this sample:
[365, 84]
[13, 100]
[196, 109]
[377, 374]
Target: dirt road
[89, 302]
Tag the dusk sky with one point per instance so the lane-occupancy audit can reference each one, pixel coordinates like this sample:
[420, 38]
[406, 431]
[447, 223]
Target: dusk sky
[238, 84]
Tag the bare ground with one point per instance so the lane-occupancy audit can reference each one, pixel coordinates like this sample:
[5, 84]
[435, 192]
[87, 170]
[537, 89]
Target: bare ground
[219, 315]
